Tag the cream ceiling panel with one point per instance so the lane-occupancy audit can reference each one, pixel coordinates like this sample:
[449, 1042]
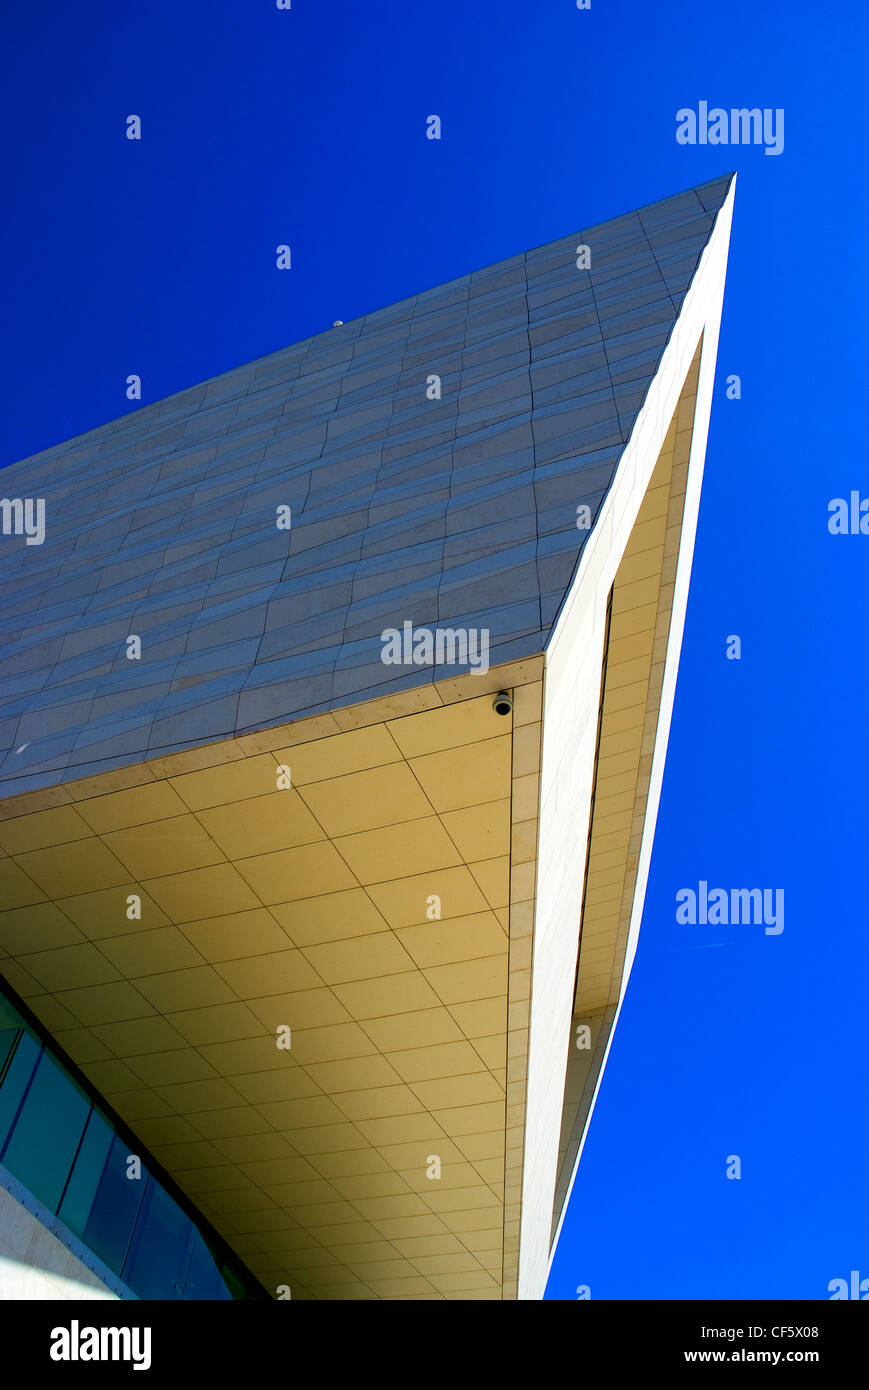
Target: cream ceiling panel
[277, 820]
[356, 908]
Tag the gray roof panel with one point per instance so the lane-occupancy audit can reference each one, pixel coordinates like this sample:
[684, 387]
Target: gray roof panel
[452, 512]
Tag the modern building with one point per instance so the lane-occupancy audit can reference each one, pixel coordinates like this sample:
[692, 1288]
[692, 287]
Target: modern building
[334, 705]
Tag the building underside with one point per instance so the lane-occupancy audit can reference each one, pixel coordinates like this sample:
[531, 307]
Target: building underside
[351, 976]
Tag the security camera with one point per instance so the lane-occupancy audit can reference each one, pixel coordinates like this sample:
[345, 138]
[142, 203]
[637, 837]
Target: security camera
[503, 702]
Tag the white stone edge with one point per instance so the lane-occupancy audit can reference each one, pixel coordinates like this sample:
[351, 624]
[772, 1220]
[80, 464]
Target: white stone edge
[700, 314]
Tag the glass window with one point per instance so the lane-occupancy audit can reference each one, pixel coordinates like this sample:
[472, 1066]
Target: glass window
[7, 1042]
[9, 1017]
[11, 1023]
[78, 1199]
[233, 1282]
[67, 1152]
[15, 1083]
[203, 1276]
[157, 1261]
[46, 1134]
[115, 1208]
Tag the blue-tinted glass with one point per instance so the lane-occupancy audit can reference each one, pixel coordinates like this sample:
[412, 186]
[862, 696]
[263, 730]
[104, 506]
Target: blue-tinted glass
[233, 1282]
[7, 1040]
[46, 1135]
[203, 1275]
[15, 1083]
[9, 1017]
[157, 1261]
[65, 1151]
[81, 1190]
[115, 1208]
[10, 1024]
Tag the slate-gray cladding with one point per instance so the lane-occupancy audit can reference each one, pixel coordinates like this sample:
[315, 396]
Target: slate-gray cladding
[458, 511]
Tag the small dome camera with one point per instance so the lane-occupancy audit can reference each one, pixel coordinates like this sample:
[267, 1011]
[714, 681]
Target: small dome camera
[503, 702]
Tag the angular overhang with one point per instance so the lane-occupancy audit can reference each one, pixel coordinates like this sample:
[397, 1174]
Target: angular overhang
[331, 970]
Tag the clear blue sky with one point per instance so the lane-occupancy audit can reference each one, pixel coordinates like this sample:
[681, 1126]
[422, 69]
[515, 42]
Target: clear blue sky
[262, 127]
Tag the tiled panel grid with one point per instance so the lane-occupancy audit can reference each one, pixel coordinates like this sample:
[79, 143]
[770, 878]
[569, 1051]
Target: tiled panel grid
[304, 906]
[457, 511]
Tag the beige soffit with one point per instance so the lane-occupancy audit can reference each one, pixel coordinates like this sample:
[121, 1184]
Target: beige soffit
[639, 629]
[308, 907]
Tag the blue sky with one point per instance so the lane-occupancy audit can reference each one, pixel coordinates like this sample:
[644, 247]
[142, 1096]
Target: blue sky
[308, 127]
